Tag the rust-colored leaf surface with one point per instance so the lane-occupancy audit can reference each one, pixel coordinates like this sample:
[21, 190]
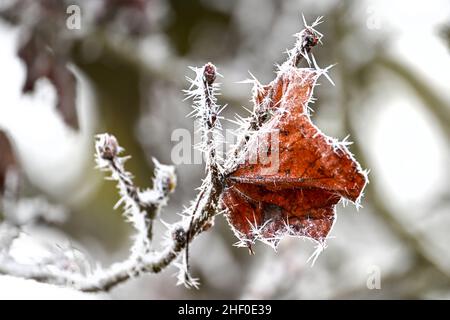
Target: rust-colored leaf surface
[313, 174]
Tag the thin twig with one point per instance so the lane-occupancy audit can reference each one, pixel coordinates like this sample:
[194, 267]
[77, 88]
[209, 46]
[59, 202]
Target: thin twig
[207, 110]
[147, 203]
[435, 103]
[188, 234]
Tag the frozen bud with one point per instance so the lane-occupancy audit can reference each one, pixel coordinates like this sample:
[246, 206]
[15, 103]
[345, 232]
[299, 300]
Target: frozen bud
[209, 73]
[179, 235]
[310, 39]
[107, 146]
[168, 184]
[165, 178]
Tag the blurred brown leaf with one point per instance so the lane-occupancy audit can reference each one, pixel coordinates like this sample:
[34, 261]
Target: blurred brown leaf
[41, 62]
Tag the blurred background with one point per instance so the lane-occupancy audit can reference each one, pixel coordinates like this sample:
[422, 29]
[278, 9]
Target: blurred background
[121, 69]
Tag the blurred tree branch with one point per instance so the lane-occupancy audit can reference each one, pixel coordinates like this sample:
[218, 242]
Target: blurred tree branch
[170, 69]
[435, 104]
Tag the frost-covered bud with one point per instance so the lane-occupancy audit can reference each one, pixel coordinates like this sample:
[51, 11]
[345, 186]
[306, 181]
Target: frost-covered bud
[168, 184]
[107, 146]
[179, 235]
[309, 39]
[165, 178]
[209, 73]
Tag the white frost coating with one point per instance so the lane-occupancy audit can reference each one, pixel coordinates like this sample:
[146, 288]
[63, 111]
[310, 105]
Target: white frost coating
[184, 277]
[203, 91]
[204, 107]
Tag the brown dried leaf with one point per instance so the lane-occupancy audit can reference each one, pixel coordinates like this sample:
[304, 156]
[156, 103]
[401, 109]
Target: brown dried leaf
[314, 172]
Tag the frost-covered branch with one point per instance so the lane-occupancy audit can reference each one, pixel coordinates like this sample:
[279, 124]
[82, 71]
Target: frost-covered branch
[203, 91]
[142, 207]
